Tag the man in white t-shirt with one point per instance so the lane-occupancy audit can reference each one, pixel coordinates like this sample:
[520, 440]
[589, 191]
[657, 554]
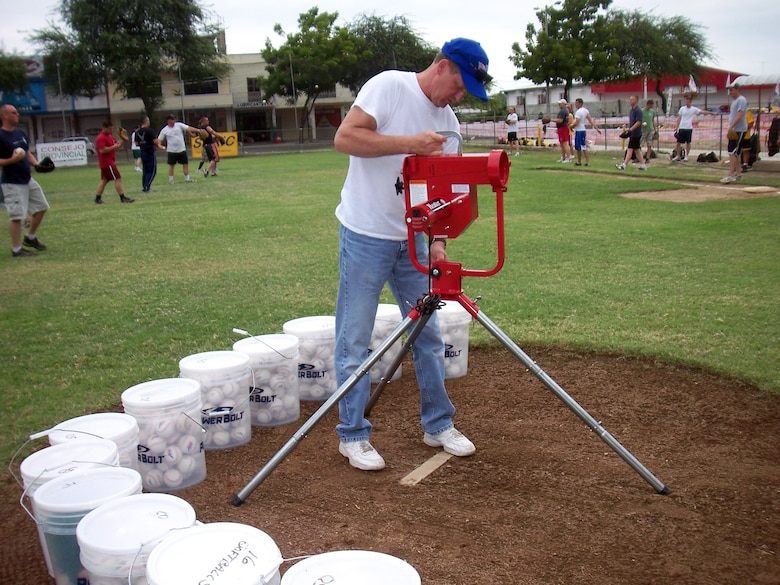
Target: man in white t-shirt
[582, 115]
[395, 114]
[511, 131]
[173, 135]
[684, 129]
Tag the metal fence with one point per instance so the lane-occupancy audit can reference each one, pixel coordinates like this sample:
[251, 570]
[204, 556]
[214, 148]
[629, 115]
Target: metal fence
[709, 133]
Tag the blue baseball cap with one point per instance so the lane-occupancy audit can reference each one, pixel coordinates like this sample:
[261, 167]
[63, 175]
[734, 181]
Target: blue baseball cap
[472, 61]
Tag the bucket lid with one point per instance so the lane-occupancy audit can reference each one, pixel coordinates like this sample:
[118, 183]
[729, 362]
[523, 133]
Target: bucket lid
[161, 393]
[117, 426]
[352, 567]
[388, 312]
[272, 344]
[57, 460]
[85, 490]
[211, 362]
[311, 326]
[243, 555]
[123, 526]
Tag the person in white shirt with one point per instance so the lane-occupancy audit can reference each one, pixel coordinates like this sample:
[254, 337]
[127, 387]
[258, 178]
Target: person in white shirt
[395, 114]
[173, 135]
[511, 131]
[684, 128]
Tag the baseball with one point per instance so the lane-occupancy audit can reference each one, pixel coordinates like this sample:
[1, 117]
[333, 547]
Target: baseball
[173, 478]
[18, 150]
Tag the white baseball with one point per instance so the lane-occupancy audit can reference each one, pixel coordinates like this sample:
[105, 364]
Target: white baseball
[220, 438]
[214, 396]
[189, 444]
[173, 478]
[156, 444]
[262, 417]
[19, 150]
[186, 465]
[153, 479]
[173, 454]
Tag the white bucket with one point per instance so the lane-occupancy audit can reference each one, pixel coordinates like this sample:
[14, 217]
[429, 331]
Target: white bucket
[352, 567]
[316, 345]
[116, 426]
[454, 322]
[61, 503]
[225, 381]
[221, 552]
[274, 398]
[59, 460]
[388, 317]
[116, 539]
[171, 455]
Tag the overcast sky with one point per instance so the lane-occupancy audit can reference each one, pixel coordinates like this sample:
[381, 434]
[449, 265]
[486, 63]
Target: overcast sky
[743, 35]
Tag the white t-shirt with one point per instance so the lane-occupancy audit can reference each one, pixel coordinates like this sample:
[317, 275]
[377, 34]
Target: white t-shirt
[687, 115]
[174, 137]
[369, 203]
[511, 122]
[580, 116]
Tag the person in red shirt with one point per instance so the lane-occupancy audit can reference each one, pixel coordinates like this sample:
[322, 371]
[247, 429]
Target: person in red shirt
[106, 146]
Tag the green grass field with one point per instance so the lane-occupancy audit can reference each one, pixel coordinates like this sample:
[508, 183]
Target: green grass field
[125, 291]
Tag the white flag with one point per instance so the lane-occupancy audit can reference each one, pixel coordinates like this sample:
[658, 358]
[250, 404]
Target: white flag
[728, 80]
[777, 89]
[692, 84]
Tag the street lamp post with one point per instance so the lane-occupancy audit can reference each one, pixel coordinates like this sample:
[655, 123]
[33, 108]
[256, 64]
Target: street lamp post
[62, 106]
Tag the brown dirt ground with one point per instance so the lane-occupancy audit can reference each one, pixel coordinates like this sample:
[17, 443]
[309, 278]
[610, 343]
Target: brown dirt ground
[544, 501]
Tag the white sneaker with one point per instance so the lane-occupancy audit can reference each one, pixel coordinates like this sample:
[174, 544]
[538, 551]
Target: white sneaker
[517, 154]
[642, 167]
[620, 167]
[452, 440]
[362, 455]
[685, 159]
[729, 179]
[568, 160]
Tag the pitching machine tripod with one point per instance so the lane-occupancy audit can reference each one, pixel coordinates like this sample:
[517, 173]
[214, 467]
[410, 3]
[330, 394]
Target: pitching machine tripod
[441, 201]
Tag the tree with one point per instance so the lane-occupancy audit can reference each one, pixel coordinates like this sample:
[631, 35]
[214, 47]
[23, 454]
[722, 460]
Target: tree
[13, 74]
[653, 46]
[571, 44]
[131, 43]
[392, 43]
[312, 60]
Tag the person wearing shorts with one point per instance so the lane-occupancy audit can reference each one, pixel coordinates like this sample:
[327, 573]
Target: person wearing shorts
[511, 134]
[684, 129]
[564, 131]
[649, 129]
[136, 149]
[582, 115]
[22, 194]
[635, 140]
[173, 135]
[737, 128]
[106, 146]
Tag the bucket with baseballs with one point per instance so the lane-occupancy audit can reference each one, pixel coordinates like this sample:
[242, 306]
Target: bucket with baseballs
[316, 346]
[225, 382]
[115, 540]
[388, 317]
[171, 454]
[116, 426]
[219, 552]
[274, 398]
[352, 567]
[454, 322]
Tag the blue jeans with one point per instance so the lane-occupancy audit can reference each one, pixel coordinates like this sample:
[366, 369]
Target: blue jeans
[149, 163]
[365, 265]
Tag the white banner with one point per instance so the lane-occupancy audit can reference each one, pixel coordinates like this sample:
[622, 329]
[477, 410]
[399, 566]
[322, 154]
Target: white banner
[64, 154]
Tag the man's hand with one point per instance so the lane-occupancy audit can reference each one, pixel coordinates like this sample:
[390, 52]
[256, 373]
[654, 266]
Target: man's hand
[427, 144]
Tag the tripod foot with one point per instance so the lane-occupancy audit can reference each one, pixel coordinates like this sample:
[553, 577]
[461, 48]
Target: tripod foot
[236, 501]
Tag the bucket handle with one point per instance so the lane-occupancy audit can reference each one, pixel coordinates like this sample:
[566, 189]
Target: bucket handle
[259, 340]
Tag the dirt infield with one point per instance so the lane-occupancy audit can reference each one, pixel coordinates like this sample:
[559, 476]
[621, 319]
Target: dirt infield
[544, 501]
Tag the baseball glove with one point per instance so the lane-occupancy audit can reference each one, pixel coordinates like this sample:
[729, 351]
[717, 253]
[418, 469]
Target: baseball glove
[732, 135]
[625, 133]
[221, 141]
[124, 135]
[545, 120]
[45, 166]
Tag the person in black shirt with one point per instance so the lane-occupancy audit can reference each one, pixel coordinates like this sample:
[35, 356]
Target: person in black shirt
[147, 141]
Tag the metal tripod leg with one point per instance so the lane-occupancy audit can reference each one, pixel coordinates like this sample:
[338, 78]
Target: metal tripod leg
[348, 384]
[413, 334]
[572, 404]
